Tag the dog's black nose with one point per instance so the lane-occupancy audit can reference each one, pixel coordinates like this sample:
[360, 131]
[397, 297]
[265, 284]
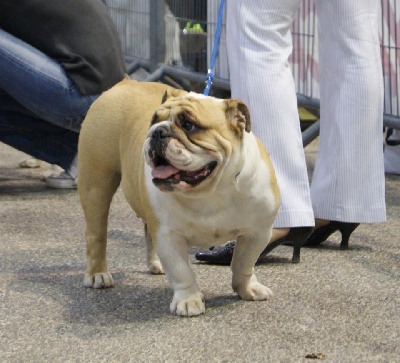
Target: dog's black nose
[161, 132]
[159, 141]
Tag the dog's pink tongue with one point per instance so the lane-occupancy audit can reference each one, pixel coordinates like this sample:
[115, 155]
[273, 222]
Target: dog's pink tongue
[164, 171]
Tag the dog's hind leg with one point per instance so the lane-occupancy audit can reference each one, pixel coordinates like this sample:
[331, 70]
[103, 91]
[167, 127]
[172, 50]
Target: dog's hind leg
[96, 190]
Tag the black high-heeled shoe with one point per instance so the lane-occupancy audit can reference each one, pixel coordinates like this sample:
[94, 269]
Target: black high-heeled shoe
[296, 237]
[321, 234]
[223, 255]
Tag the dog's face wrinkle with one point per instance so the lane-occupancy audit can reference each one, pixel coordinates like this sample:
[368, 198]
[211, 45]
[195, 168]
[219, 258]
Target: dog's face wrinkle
[185, 118]
[190, 137]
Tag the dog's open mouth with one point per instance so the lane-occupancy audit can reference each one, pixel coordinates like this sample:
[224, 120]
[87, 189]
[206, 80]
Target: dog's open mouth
[168, 174]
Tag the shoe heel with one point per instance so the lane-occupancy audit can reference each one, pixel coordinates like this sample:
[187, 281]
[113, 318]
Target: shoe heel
[296, 252]
[298, 236]
[346, 229]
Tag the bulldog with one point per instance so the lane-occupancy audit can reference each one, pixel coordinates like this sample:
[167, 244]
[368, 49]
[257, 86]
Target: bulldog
[191, 169]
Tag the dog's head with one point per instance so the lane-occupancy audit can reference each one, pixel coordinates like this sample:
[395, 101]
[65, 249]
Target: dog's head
[191, 139]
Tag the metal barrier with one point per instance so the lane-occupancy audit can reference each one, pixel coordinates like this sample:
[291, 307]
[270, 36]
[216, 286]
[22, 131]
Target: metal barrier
[172, 40]
[390, 50]
[304, 61]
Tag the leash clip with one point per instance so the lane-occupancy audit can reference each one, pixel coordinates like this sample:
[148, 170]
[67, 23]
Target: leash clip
[208, 82]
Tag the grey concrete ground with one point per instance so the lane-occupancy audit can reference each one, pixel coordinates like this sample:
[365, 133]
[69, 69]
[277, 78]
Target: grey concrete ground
[343, 304]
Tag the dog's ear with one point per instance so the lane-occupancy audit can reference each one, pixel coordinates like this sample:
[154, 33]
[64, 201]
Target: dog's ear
[238, 113]
[171, 93]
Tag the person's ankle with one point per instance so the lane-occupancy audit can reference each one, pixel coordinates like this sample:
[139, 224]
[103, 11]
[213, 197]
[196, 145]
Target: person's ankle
[73, 169]
[278, 233]
[321, 222]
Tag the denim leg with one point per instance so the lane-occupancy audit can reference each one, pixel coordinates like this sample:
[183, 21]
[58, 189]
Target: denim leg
[40, 84]
[38, 138]
[21, 129]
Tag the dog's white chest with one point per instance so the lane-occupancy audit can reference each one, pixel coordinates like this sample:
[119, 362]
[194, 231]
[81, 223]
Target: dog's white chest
[217, 220]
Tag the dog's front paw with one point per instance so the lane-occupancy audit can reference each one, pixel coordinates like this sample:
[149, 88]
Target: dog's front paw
[184, 304]
[251, 289]
[254, 291]
[99, 280]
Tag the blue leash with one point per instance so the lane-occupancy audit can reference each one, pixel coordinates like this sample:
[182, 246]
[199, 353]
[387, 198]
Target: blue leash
[210, 75]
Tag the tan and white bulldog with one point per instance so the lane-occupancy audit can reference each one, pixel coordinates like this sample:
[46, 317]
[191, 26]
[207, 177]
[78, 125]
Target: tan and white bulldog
[191, 169]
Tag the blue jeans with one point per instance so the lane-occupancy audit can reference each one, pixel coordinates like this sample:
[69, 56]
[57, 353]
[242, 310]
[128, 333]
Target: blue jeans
[41, 110]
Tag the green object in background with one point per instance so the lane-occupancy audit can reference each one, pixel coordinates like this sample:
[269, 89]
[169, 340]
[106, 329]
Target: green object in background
[193, 28]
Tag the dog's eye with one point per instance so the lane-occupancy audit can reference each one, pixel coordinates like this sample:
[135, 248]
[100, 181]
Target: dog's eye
[188, 126]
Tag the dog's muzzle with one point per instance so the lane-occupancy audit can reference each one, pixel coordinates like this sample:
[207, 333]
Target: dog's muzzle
[158, 143]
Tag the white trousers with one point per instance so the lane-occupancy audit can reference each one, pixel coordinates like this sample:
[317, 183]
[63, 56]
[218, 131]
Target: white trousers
[348, 181]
